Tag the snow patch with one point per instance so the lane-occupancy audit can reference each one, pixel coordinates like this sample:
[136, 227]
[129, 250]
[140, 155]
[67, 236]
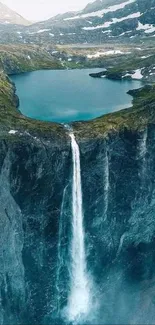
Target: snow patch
[39, 31]
[151, 30]
[114, 21]
[106, 31]
[13, 132]
[127, 32]
[100, 13]
[145, 56]
[106, 53]
[43, 30]
[137, 74]
[127, 75]
[148, 28]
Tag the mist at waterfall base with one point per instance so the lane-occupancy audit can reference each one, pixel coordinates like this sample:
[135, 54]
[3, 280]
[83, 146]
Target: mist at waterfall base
[70, 95]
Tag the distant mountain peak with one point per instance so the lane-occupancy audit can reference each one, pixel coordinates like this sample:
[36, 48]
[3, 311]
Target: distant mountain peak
[98, 22]
[9, 16]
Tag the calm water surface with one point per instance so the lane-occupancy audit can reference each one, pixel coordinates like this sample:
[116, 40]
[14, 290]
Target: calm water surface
[70, 95]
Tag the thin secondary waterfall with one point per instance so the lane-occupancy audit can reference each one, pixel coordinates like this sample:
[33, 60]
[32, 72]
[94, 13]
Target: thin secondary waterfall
[142, 153]
[106, 185]
[79, 298]
[143, 144]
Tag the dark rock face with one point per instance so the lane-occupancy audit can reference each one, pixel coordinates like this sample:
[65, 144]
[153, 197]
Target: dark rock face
[118, 189]
[118, 180]
[33, 176]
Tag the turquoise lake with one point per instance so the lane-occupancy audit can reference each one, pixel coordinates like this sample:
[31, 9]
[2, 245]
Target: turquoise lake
[70, 95]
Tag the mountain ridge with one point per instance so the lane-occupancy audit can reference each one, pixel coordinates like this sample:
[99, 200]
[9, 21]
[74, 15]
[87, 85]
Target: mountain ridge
[9, 16]
[97, 23]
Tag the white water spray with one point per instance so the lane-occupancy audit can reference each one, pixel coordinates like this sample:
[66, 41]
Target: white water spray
[143, 145]
[60, 257]
[106, 186]
[142, 151]
[79, 298]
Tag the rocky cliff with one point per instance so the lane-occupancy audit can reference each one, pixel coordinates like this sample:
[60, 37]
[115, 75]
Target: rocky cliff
[117, 169]
[118, 189]
[34, 173]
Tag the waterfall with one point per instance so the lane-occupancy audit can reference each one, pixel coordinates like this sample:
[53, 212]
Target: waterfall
[61, 254]
[106, 185]
[79, 297]
[143, 145]
[142, 151]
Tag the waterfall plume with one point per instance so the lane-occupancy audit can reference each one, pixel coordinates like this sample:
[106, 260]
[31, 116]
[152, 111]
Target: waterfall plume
[106, 185]
[60, 257]
[79, 297]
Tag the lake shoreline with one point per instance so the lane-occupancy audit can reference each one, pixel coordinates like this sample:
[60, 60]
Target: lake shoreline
[65, 96]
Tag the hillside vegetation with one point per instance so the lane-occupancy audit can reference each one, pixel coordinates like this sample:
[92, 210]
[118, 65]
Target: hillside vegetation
[22, 58]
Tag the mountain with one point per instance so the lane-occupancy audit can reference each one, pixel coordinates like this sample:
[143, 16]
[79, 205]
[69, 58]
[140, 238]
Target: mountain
[8, 16]
[98, 22]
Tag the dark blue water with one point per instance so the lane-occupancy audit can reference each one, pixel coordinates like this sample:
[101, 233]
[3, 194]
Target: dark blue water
[70, 95]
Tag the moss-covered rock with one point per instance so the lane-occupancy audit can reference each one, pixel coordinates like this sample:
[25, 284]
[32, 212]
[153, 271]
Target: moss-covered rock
[16, 59]
[127, 67]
